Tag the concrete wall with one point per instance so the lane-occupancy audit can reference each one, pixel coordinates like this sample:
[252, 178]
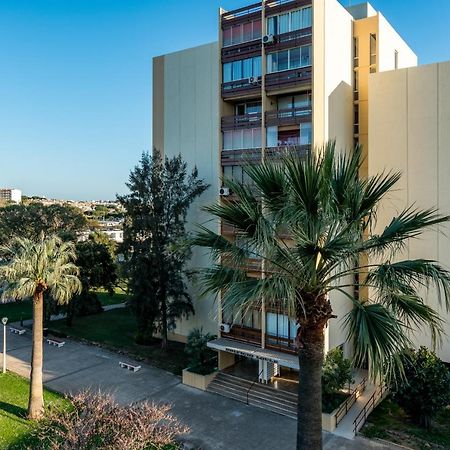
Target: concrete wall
[390, 41]
[189, 117]
[332, 74]
[333, 110]
[409, 113]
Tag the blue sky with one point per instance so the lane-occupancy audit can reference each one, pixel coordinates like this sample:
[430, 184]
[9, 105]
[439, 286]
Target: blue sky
[75, 81]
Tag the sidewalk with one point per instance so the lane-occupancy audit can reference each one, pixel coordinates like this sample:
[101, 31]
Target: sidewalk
[216, 423]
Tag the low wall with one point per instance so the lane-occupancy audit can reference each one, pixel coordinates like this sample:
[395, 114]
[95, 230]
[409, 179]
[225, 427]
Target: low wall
[196, 380]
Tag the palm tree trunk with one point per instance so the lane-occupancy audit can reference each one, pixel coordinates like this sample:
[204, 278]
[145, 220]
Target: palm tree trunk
[36, 400]
[309, 408]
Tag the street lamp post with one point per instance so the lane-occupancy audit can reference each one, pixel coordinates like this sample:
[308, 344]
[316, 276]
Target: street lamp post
[4, 322]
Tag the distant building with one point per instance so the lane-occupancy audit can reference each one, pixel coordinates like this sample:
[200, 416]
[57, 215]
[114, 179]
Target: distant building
[10, 195]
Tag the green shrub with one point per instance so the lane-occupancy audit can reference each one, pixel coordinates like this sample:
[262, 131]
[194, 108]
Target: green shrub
[202, 360]
[425, 389]
[336, 372]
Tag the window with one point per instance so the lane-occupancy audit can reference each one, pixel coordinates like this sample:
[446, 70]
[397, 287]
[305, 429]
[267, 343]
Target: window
[288, 138]
[238, 34]
[356, 120]
[237, 70]
[356, 52]
[257, 29]
[295, 101]
[307, 17]
[295, 58]
[283, 60]
[373, 49]
[291, 21]
[247, 68]
[283, 23]
[227, 72]
[305, 134]
[272, 136]
[305, 56]
[289, 59]
[248, 108]
[242, 139]
[227, 37]
[280, 325]
[243, 68]
[247, 32]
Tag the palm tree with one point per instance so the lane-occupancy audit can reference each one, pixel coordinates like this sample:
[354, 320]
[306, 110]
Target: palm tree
[33, 268]
[311, 221]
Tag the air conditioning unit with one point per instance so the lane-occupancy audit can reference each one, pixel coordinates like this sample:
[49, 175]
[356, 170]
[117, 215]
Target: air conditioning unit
[224, 191]
[225, 328]
[268, 39]
[253, 80]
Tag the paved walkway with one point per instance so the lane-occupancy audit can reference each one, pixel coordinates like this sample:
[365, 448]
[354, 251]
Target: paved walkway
[216, 423]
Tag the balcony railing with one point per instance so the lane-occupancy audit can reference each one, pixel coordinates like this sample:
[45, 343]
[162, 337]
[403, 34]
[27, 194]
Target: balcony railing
[280, 343]
[241, 88]
[288, 78]
[277, 6]
[240, 15]
[243, 121]
[295, 38]
[277, 152]
[245, 334]
[292, 116]
[241, 51]
[239, 157]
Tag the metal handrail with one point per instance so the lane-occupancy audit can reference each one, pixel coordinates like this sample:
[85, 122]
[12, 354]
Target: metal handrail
[369, 406]
[250, 388]
[350, 401]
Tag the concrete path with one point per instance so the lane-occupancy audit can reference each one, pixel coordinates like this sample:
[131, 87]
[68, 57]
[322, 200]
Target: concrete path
[216, 423]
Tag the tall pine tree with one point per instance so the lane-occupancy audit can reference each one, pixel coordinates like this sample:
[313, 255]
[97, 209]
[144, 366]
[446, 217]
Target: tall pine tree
[155, 241]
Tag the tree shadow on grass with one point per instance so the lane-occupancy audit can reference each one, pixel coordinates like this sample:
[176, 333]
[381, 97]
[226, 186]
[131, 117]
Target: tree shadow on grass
[13, 409]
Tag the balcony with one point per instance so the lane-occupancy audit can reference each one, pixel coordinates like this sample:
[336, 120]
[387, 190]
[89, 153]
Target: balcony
[280, 343]
[241, 15]
[240, 157]
[302, 151]
[241, 88]
[295, 38]
[244, 334]
[278, 6]
[288, 79]
[292, 116]
[241, 51]
[243, 121]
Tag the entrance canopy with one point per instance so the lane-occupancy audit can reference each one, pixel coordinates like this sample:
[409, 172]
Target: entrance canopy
[249, 351]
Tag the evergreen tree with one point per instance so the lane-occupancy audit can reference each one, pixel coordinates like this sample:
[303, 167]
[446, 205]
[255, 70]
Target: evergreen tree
[155, 241]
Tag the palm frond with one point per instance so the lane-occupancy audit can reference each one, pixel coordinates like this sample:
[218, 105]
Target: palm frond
[377, 336]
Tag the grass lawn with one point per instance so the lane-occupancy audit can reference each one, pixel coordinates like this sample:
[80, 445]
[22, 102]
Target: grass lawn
[17, 310]
[116, 330]
[118, 297]
[391, 423]
[14, 428]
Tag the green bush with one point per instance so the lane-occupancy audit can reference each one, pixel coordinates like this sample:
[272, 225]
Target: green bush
[424, 390]
[202, 360]
[336, 372]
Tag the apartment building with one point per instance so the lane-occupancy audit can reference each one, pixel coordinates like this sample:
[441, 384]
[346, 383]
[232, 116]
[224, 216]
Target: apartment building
[10, 195]
[284, 74]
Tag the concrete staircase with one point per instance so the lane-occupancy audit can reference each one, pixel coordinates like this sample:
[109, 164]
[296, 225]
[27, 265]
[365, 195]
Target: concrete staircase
[260, 395]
